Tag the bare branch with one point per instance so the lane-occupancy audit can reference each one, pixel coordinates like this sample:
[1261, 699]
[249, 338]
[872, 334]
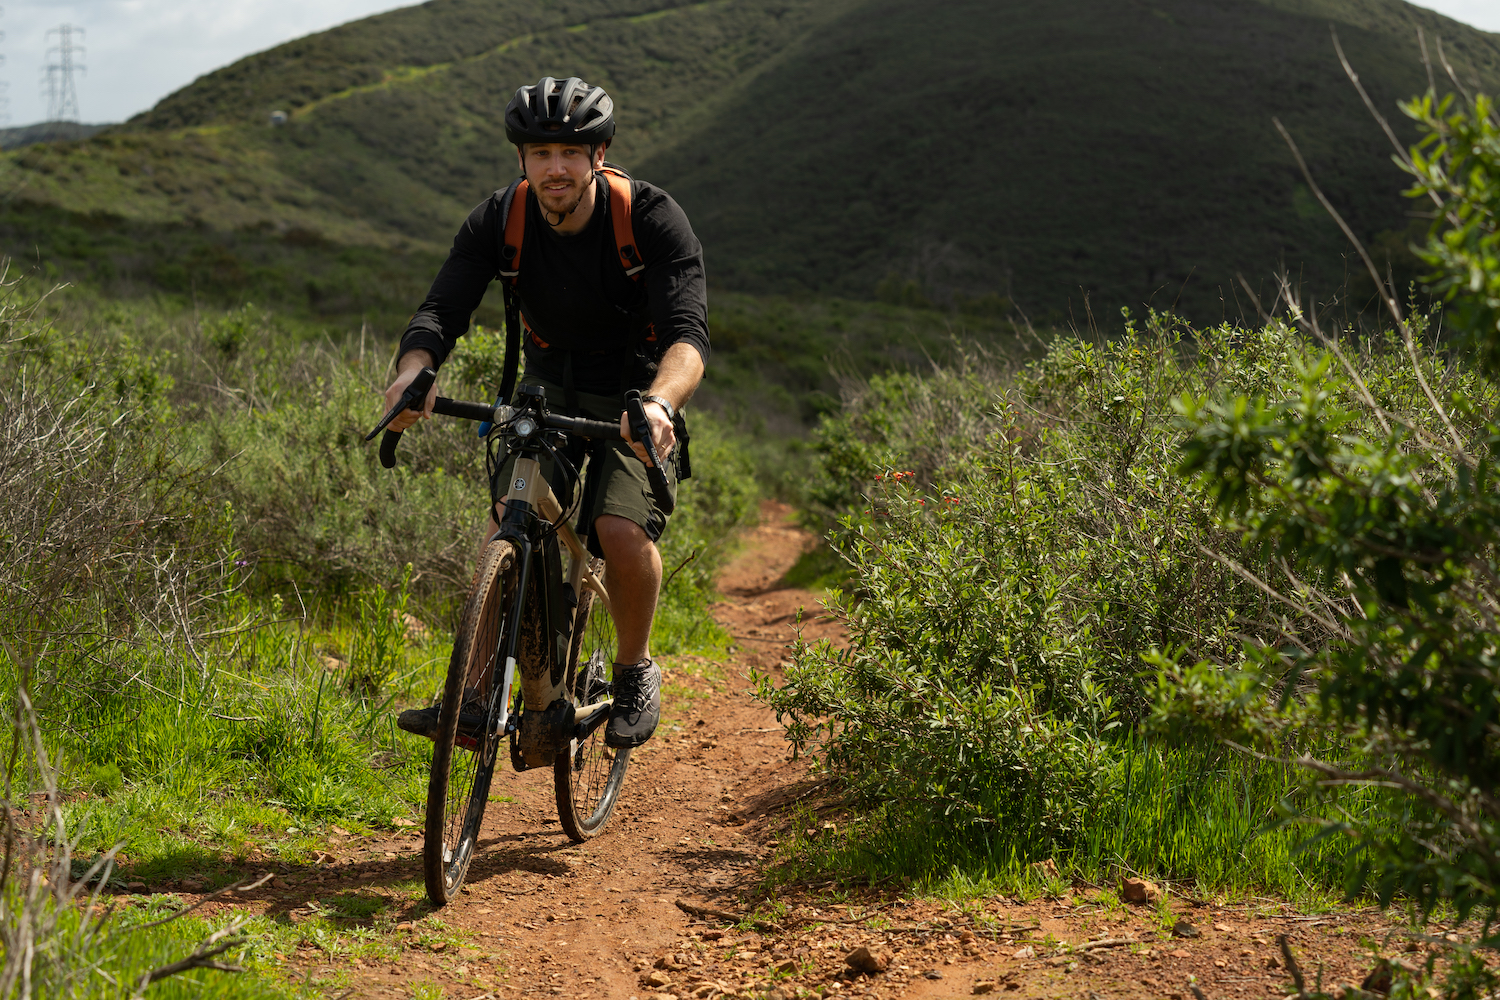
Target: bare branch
[202, 957]
[1273, 593]
[1387, 294]
[1448, 68]
[1292, 968]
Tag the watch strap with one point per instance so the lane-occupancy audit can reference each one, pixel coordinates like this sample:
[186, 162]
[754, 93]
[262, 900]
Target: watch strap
[663, 403]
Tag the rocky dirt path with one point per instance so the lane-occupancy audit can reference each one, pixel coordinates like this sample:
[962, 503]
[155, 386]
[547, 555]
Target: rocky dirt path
[703, 808]
[542, 916]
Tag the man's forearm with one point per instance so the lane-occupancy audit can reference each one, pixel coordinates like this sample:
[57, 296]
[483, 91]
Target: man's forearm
[678, 376]
[414, 360]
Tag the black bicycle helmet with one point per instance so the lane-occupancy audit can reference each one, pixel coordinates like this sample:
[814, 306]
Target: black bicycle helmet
[567, 111]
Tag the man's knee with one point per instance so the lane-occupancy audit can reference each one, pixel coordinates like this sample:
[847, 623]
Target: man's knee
[619, 535]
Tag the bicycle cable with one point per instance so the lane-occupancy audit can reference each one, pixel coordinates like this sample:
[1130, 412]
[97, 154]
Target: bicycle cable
[494, 464]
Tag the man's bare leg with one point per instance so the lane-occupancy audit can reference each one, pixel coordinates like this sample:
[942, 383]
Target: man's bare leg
[634, 567]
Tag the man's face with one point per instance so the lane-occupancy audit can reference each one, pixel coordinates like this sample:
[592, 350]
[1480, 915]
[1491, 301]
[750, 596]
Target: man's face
[559, 173]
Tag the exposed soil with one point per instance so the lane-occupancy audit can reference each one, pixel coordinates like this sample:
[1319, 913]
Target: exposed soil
[700, 814]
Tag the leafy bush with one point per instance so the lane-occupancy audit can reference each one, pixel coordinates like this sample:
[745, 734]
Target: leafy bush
[1380, 510]
[1021, 542]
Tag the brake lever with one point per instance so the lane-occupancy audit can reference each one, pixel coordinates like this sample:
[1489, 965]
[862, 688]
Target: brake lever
[640, 428]
[411, 399]
[415, 391]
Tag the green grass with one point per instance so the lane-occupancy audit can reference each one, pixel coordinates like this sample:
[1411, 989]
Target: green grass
[1203, 820]
[124, 951]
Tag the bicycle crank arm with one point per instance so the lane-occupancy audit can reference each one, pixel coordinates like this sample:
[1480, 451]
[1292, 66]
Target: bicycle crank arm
[588, 718]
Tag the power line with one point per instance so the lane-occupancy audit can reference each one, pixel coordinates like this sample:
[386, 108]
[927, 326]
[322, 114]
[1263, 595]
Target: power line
[62, 96]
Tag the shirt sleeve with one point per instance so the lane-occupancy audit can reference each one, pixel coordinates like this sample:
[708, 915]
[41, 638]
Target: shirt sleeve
[676, 287]
[459, 287]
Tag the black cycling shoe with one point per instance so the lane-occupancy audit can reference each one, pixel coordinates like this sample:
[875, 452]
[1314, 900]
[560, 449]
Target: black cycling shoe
[637, 707]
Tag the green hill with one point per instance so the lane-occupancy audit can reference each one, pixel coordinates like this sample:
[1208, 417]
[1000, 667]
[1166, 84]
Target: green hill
[964, 153]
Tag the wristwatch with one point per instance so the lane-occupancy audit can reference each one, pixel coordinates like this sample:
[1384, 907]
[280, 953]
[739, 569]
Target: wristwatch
[664, 404]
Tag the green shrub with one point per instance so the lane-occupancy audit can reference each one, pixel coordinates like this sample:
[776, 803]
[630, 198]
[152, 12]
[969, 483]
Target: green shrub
[1380, 510]
[1021, 544]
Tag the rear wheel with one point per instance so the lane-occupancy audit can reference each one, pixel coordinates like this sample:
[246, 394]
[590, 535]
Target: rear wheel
[463, 757]
[589, 775]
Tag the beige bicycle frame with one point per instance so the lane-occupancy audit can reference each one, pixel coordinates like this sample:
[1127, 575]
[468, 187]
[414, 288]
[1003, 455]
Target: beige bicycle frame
[529, 485]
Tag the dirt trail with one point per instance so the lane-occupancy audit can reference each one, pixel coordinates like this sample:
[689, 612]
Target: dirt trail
[690, 824]
[542, 917]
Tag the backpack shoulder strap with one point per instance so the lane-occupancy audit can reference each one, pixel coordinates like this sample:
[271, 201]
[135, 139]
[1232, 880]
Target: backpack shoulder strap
[620, 197]
[513, 229]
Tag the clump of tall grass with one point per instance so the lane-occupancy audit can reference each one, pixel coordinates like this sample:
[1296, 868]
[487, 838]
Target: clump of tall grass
[60, 935]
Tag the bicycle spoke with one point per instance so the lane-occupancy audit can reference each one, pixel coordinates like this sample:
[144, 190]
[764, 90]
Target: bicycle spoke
[589, 775]
[463, 759]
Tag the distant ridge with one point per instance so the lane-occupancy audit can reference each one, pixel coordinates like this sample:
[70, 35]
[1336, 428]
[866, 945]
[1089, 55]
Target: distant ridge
[26, 135]
[1068, 157]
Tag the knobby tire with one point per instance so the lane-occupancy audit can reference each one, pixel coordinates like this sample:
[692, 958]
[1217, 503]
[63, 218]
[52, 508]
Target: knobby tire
[588, 775]
[462, 765]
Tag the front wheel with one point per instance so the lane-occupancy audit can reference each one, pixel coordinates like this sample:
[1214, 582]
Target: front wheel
[589, 775]
[464, 750]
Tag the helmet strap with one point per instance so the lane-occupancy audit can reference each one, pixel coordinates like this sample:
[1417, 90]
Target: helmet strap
[546, 215]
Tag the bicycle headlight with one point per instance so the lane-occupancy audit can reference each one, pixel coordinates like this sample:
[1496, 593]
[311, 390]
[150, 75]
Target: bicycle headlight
[524, 427]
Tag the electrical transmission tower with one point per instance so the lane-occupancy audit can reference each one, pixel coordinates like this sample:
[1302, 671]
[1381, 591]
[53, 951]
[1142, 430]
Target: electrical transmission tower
[62, 96]
[4, 86]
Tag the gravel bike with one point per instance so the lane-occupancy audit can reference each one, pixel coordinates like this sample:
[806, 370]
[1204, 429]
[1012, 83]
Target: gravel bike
[525, 617]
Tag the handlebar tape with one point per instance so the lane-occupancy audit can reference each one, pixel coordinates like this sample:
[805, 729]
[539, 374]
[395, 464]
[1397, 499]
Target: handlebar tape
[640, 428]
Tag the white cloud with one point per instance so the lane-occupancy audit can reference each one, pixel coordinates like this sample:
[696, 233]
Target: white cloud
[138, 51]
[1482, 14]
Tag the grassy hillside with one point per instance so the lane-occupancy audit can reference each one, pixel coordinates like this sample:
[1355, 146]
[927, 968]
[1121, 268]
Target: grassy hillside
[1045, 148]
[967, 151]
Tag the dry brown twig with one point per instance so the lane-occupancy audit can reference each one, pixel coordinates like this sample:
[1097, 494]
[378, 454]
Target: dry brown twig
[203, 957]
[1292, 968]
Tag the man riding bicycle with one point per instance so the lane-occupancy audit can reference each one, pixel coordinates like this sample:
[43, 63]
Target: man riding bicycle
[594, 329]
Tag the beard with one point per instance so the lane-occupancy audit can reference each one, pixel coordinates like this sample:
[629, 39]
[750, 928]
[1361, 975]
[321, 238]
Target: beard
[566, 202]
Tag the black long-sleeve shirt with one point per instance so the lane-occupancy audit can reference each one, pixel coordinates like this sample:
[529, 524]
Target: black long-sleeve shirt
[574, 293]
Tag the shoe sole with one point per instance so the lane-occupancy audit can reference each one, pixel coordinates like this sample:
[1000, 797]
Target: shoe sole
[616, 743]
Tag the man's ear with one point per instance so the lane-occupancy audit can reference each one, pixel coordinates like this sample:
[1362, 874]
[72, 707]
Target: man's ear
[599, 152]
[521, 158]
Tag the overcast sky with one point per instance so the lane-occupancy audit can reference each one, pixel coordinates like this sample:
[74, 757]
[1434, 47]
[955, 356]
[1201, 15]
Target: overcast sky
[138, 51]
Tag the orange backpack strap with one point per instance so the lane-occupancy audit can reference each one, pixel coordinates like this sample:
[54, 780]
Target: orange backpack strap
[620, 197]
[515, 232]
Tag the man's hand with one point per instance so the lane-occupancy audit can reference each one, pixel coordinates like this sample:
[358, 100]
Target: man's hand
[661, 433]
[406, 369]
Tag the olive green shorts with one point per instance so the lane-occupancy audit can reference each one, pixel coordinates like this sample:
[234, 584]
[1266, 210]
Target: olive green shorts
[613, 479]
